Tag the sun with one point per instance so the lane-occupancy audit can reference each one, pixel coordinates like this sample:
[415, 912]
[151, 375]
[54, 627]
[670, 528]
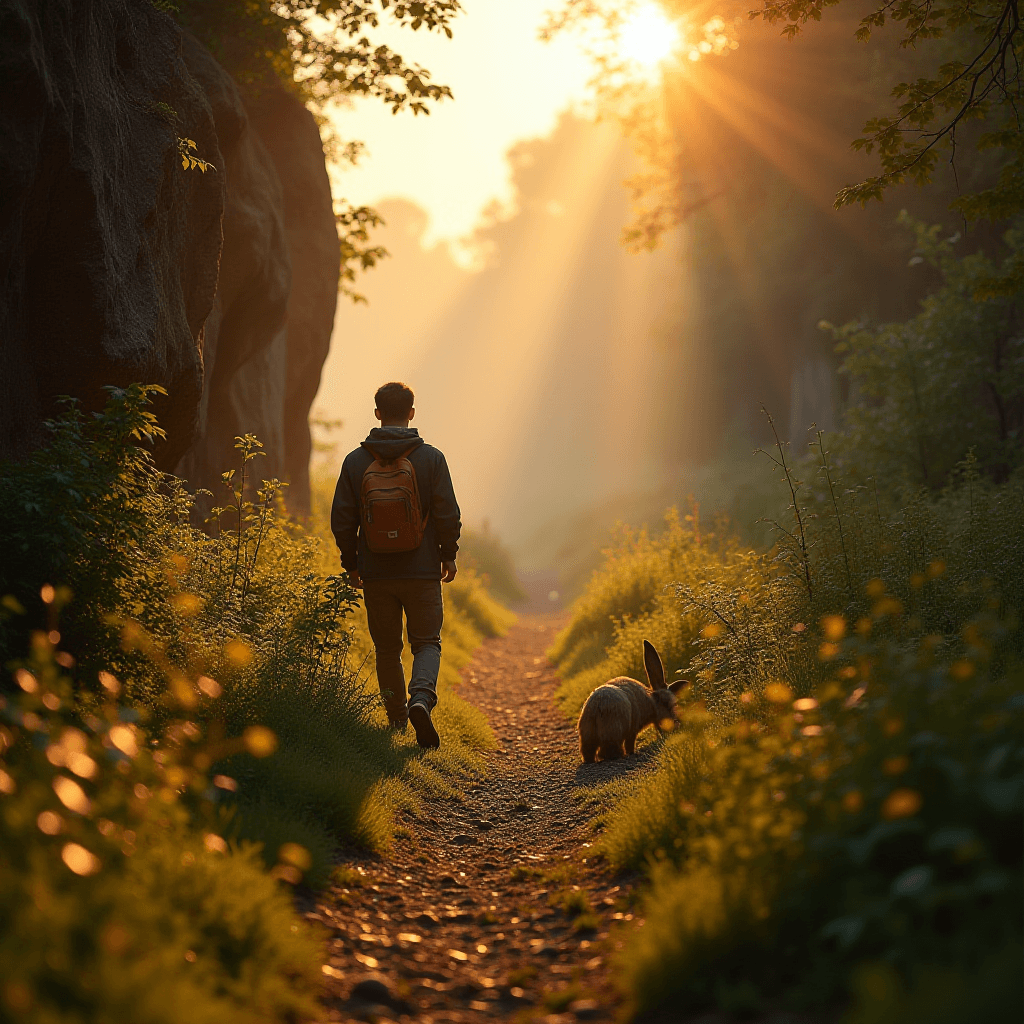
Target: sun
[648, 37]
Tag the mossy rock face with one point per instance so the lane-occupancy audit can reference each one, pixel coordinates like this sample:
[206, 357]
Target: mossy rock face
[124, 262]
[111, 249]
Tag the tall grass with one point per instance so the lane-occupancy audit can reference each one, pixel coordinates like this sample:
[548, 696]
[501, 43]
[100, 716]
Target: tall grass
[239, 673]
[483, 552]
[120, 896]
[631, 597]
[246, 603]
[844, 793]
[837, 823]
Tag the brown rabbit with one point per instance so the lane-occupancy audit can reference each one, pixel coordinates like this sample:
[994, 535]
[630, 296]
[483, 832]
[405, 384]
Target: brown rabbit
[615, 712]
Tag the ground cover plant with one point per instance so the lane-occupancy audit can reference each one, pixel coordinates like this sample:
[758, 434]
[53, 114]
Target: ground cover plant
[213, 688]
[120, 895]
[837, 822]
[845, 787]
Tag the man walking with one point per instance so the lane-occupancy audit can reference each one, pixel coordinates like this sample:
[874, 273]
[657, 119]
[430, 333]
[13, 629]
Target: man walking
[397, 525]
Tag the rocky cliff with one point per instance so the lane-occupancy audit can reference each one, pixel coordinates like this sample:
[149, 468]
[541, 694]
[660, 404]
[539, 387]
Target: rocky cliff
[116, 264]
[109, 251]
[245, 346]
[292, 138]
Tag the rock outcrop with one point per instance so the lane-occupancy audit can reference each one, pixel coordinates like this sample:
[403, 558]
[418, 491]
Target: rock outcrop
[292, 138]
[109, 250]
[118, 265]
[245, 343]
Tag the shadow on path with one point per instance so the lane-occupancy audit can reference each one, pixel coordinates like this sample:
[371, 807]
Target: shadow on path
[481, 909]
[600, 773]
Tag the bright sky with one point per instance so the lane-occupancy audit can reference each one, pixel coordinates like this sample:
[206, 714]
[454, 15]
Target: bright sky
[507, 85]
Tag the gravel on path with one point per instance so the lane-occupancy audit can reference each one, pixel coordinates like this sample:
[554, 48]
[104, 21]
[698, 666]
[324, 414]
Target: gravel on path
[488, 907]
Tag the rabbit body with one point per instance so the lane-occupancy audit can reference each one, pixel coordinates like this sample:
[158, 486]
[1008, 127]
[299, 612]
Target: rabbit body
[616, 711]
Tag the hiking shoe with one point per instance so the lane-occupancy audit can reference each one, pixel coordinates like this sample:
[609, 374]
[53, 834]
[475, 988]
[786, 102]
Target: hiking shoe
[398, 725]
[426, 734]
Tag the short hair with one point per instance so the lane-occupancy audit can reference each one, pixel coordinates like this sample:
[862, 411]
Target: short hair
[394, 400]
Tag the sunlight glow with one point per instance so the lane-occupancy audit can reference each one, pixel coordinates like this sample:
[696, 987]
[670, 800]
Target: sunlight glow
[648, 37]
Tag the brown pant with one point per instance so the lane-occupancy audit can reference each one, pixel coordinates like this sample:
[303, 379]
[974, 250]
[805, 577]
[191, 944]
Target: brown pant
[385, 602]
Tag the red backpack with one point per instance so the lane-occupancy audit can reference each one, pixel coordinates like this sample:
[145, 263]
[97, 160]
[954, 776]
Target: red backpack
[391, 517]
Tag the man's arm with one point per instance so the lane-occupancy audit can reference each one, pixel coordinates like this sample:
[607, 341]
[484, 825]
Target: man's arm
[444, 510]
[345, 522]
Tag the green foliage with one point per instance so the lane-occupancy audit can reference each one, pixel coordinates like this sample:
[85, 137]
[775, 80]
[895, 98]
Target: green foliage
[321, 50]
[954, 77]
[119, 897]
[948, 381]
[78, 511]
[989, 991]
[882, 823]
[973, 77]
[472, 602]
[847, 784]
[245, 611]
[977, 79]
[631, 597]
[571, 902]
[187, 710]
[321, 47]
[190, 160]
[354, 225]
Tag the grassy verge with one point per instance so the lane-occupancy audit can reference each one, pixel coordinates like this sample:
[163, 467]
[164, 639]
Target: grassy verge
[837, 819]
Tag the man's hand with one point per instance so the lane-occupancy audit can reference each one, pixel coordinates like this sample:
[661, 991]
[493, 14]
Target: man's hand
[448, 571]
[355, 580]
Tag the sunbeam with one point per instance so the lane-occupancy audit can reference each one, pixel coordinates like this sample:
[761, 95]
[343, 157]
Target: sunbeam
[647, 36]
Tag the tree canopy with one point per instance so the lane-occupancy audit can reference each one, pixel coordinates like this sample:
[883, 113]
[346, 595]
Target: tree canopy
[962, 71]
[974, 76]
[321, 48]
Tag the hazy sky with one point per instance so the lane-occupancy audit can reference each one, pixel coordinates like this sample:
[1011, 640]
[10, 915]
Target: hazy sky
[508, 86]
[559, 373]
[534, 375]
[554, 320]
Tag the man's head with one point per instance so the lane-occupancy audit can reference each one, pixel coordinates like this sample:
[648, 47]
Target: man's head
[394, 404]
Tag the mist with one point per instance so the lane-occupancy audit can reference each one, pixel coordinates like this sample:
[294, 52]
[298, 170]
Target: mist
[572, 383]
[536, 374]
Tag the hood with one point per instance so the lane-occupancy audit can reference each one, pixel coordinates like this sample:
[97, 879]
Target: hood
[390, 442]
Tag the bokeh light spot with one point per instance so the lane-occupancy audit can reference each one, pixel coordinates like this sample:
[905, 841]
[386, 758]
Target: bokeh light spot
[79, 859]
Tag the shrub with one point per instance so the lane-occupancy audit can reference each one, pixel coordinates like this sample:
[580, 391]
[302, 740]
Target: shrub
[119, 897]
[135, 835]
[881, 824]
[948, 381]
[846, 786]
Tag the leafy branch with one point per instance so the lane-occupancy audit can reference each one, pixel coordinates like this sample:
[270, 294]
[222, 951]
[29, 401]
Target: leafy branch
[190, 160]
[931, 109]
[354, 224]
[321, 48]
[252, 520]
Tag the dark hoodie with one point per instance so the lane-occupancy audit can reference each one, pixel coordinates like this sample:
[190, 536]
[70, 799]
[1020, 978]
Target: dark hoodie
[437, 498]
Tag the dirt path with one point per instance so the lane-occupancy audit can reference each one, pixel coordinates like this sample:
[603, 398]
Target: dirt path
[489, 907]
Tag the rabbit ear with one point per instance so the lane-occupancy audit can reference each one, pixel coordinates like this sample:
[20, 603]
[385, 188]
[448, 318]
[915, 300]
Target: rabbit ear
[654, 667]
[678, 685]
